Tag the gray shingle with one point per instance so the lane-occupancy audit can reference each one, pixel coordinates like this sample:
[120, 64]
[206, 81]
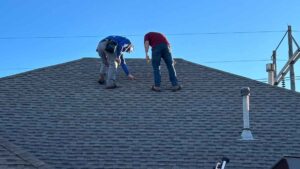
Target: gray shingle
[64, 118]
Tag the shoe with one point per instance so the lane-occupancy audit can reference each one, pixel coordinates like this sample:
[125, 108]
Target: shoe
[176, 88]
[100, 81]
[155, 88]
[111, 87]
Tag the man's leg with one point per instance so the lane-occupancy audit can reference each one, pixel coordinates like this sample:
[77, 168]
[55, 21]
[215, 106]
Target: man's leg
[104, 62]
[112, 70]
[103, 67]
[167, 56]
[156, 58]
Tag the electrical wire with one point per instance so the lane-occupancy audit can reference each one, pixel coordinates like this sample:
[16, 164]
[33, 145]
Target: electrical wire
[130, 35]
[281, 40]
[286, 78]
[231, 61]
[295, 42]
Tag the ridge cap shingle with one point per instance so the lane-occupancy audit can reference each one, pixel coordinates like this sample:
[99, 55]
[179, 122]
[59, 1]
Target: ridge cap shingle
[23, 155]
[40, 69]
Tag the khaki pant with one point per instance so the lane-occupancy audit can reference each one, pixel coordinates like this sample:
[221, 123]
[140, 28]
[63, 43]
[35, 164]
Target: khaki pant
[109, 65]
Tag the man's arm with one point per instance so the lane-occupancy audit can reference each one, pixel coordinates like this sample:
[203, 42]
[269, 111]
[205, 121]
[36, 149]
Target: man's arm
[146, 45]
[125, 68]
[123, 65]
[119, 51]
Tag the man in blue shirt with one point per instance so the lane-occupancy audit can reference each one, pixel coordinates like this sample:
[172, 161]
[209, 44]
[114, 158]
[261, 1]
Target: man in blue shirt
[111, 50]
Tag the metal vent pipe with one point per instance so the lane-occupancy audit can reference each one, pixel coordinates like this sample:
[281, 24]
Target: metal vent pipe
[246, 133]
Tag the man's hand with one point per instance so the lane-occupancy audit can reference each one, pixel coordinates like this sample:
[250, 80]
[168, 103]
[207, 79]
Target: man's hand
[174, 62]
[147, 58]
[146, 45]
[118, 60]
[131, 77]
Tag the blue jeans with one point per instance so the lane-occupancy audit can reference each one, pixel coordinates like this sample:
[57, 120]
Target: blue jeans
[158, 52]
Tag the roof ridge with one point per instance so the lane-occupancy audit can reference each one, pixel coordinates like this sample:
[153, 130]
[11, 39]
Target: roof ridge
[51, 66]
[190, 62]
[247, 78]
[40, 69]
[24, 155]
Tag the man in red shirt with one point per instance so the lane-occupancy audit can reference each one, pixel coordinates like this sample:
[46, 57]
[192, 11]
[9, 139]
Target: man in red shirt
[160, 49]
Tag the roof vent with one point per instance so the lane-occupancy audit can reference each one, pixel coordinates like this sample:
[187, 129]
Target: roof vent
[246, 134]
[288, 162]
[221, 164]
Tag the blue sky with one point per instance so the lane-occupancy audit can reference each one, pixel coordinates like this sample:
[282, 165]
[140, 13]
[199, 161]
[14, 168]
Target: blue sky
[36, 33]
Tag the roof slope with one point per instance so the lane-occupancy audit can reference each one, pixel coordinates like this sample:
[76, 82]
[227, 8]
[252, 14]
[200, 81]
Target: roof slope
[65, 118]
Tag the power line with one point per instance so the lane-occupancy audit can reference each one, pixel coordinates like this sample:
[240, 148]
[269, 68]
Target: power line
[286, 78]
[47, 37]
[232, 32]
[131, 35]
[281, 40]
[231, 61]
[239, 61]
[17, 68]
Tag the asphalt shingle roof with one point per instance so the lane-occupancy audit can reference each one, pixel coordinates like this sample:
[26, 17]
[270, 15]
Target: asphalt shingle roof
[62, 116]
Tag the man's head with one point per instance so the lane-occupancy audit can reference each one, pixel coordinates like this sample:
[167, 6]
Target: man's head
[129, 48]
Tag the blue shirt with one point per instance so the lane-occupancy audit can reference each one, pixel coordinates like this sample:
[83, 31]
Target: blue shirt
[122, 44]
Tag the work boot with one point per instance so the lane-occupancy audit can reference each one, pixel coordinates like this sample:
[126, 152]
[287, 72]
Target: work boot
[101, 80]
[155, 88]
[176, 88]
[111, 87]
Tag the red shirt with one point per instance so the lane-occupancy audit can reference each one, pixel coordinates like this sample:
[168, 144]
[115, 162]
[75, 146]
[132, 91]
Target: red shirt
[155, 38]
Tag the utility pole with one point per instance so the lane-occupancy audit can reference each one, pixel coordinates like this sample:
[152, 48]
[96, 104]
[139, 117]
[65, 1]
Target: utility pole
[288, 67]
[292, 73]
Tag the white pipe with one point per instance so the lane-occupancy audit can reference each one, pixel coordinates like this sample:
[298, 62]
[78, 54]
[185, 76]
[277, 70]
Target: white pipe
[246, 134]
[246, 107]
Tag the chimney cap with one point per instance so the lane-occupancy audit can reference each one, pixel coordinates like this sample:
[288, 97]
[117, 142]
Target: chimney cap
[270, 67]
[245, 91]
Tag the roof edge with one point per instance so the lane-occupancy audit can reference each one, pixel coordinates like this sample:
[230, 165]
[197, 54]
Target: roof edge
[24, 155]
[42, 68]
[239, 76]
